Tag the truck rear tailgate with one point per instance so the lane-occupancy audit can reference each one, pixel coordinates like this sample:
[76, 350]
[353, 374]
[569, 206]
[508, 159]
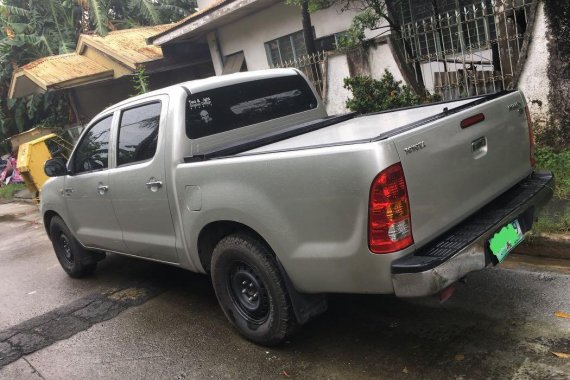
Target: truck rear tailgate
[451, 171]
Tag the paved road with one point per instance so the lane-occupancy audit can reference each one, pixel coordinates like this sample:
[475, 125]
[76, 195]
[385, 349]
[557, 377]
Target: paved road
[137, 319]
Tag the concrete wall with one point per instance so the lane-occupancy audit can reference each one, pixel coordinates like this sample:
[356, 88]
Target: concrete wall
[336, 95]
[380, 58]
[534, 81]
[557, 131]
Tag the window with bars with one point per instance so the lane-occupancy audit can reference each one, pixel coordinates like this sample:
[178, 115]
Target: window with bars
[286, 48]
[330, 42]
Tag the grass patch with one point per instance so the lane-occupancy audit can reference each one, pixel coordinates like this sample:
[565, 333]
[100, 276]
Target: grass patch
[8, 191]
[559, 164]
[555, 217]
[553, 220]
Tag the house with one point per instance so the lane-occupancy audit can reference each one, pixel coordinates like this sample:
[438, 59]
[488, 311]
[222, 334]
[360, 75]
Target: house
[100, 71]
[455, 48]
[261, 34]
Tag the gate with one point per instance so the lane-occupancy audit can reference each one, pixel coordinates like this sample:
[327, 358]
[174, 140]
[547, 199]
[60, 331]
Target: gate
[463, 48]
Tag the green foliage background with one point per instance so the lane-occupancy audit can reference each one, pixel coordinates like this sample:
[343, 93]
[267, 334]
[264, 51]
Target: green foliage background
[32, 29]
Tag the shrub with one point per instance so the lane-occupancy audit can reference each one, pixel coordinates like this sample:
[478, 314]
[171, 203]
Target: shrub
[371, 95]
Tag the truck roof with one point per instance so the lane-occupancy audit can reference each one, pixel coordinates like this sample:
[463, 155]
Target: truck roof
[199, 85]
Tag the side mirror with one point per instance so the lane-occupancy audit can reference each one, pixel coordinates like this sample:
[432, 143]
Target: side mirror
[55, 167]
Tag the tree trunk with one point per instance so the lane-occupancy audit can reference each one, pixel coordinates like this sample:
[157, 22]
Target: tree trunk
[308, 28]
[314, 72]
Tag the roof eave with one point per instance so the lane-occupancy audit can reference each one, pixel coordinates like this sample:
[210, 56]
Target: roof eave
[203, 21]
[86, 40]
[41, 86]
[153, 40]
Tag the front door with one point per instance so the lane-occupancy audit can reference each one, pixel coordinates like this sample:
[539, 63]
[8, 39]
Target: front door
[138, 186]
[90, 210]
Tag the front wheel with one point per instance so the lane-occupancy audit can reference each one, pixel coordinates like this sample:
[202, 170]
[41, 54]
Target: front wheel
[251, 290]
[75, 260]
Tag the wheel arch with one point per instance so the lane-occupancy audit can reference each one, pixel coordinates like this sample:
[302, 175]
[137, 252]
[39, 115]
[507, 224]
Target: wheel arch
[48, 216]
[305, 306]
[213, 232]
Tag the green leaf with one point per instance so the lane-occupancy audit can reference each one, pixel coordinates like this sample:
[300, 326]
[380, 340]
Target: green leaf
[19, 116]
[147, 10]
[18, 27]
[100, 16]
[15, 10]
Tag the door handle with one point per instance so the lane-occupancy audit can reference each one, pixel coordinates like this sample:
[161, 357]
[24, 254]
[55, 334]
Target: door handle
[67, 191]
[102, 189]
[153, 184]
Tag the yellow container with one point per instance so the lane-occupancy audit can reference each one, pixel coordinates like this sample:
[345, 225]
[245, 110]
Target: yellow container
[31, 159]
[28, 136]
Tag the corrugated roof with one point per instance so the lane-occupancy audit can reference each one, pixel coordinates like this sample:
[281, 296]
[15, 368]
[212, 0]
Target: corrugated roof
[129, 45]
[59, 69]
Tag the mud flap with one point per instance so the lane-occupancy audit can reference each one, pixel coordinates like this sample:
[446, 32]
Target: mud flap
[305, 306]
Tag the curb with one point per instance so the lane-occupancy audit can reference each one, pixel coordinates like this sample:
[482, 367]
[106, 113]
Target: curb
[555, 246]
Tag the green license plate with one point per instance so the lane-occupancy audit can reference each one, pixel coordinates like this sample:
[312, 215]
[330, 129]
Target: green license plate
[504, 240]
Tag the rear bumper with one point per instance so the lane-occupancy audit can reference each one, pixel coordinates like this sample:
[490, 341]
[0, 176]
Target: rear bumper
[465, 248]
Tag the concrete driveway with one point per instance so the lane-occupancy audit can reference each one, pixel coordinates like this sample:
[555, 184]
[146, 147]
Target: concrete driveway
[135, 319]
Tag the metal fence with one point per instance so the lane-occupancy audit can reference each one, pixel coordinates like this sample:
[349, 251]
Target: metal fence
[467, 50]
[314, 67]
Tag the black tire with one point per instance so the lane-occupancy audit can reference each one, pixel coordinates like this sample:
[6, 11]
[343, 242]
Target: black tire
[251, 290]
[75, 260]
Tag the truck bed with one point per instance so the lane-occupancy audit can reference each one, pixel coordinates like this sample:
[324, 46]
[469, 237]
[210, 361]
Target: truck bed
[367, 127]
[343, 129]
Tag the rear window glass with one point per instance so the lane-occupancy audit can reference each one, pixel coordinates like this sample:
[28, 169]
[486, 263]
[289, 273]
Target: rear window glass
[235, 106]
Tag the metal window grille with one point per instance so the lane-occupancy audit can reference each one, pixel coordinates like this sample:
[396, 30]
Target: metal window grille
[464, 50]
[313, 66]
[286, 48]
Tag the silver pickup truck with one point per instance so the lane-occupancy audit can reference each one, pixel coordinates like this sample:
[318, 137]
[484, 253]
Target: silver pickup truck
[246, 178]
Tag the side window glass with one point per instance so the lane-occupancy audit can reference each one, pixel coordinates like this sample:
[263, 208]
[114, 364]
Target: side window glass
[92, 153]
[138, 134]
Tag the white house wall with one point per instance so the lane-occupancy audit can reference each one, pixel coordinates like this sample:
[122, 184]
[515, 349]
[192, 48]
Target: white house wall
[250, 33]
[204, 3]
[333, 20]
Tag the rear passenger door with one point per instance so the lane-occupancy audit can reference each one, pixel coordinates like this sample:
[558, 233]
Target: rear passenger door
[137, 183]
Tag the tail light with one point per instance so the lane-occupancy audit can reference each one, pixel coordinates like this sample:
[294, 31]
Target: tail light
[530, 136]
[472, 120]
[389, 219]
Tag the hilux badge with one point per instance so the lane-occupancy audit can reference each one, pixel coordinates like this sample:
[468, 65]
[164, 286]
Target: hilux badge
[415, 147]
[516, 107]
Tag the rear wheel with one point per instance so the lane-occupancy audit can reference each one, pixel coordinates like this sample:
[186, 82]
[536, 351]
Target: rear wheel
[75, 260]
[251, 291]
